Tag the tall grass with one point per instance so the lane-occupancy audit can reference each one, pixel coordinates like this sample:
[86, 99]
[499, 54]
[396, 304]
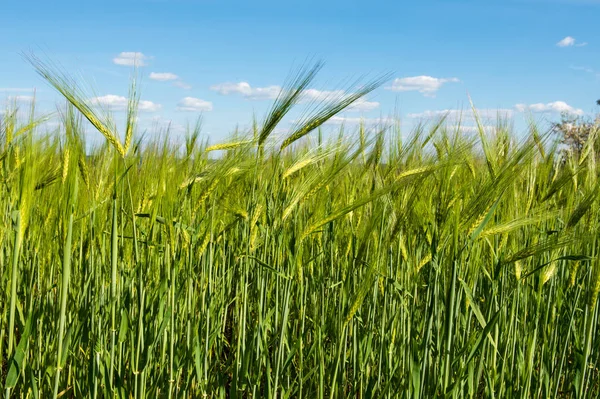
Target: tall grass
[412, 265]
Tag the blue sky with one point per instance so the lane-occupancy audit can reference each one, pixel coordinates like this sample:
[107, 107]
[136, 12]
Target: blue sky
[225, 59]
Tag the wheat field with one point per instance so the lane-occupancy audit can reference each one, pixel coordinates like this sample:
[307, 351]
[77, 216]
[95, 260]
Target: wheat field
[368, 263]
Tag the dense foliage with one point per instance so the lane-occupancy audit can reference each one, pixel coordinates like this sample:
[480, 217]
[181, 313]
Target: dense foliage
[388, 265]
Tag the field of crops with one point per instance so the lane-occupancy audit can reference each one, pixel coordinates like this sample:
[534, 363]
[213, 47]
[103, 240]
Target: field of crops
[369, 263]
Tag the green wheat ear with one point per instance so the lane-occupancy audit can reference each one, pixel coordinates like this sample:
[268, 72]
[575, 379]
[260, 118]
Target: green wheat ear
[69, 88]
[132, 110]
[287, 98]
[331, 108]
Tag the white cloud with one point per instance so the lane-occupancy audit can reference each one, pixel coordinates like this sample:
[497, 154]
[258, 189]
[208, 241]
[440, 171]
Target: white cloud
[194, 105]
[163, 76]
[555, 107]
[110, 100]
[344, 120]
[161, 124]
[271, 93]
[570, 41]
[495, 113]
[322, 95]
[20, 99]
[18, 103]
[473, 129]
[582, 68]
[131, 58]
[148, 106]
[119, 103]
[14, 89]
[329, 95]
[459, 114]
[426, 85]
[169, 77]
[586, 69]
[249, 92]
[566, 42]
[362, 105]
